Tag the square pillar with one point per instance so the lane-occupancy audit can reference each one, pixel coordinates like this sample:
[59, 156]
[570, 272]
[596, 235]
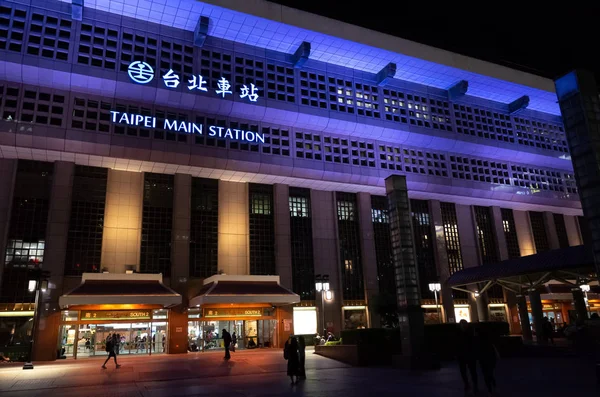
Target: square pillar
[524, 234]
[326, 256]
[234, 231]
[407, 272]
[368, 255]
[8, 172]
[537, 313]
[283, 238]
[180, 248]
[524, 317]
[441, 260]
[572, 230]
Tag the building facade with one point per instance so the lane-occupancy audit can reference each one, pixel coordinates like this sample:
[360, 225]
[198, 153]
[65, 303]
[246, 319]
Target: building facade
[218, 150]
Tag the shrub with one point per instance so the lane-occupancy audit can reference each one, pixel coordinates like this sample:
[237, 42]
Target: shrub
[334, 342]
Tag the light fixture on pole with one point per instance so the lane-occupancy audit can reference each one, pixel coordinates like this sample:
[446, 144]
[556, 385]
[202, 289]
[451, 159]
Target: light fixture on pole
[435, 288]
[322, 286]
[38, 286]
[586, 288]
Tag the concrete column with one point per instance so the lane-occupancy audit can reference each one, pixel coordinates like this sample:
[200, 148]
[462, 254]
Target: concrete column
[579, 303]
[572, 230]
[122, 234]
[234, 232]
[326, 255]
[405, 264]
[441, 260]
[524, 317]
[368, 255]
[469, 249]
[283, 238]
[523, 228]
[536, 311]
[551, 231]
[8, 172]
[180, 248]
[499, 233]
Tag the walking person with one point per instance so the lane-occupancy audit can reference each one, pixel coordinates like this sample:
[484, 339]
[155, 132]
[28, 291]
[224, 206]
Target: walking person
[488, 356]
[227, 343]
[111, 346]
[465, 354]
[301, 358]
[293, 360]
[233, 341]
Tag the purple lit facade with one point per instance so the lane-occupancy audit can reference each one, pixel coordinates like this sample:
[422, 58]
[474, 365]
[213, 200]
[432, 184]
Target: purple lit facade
[331, 134]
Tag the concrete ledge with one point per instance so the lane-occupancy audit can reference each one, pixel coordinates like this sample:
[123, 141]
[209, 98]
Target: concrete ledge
[347, 354]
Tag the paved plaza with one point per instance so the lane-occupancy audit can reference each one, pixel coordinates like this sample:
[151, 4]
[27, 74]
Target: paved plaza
[262, 373]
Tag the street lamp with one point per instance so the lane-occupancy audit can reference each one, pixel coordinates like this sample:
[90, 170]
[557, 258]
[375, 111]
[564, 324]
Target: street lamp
[586, 288]
[435, 288]
[38, 286]
[322, 286]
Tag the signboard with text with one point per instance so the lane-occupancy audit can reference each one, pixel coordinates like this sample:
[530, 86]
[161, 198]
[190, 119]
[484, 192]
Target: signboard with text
[96, 315]
[237, 312]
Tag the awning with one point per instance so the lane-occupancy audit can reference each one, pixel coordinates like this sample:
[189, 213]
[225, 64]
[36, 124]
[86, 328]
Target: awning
[121, 289]
[562, 263]
[244, 290]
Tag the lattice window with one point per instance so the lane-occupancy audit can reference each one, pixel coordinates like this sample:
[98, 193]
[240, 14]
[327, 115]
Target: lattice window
[561, 230]
[336, 150]
[386, 274]
[341, 95]
[346, 210]
[12, 28]
[178, 57]
[246, 146]
[362, 153]
[313, 90]
[303, 277]
[204, 227]
[132, 130]
[215, 65]
[479, 170]
[570, 183]
[452, 237]
[9, 99]
[483, 123]
[425, 163]
[91, 114]
[160, 132]
[299, 206]
[49, 37]
[262, 230]
[391, 158]
[510, 233]
[538, 227]
[98, 47]
[138, 47]
[440, 114]
[308, 146]
[277, 141]
[249, 71]
[394, 106]
[422, 232]
[418, 110]
[280, 83]
[540, 134]
[349, 241]
[380, 215]
[42, 107]
[485, 235]
[537, 179]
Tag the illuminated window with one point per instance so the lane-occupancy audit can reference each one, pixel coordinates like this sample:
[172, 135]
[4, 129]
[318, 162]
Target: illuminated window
[345, 211]
[298, 207]
[349, 244]
[421, 221]
[380, 215]
[451, 236]
[348, 265]
[261, 204]
[262, 230]
[303, 271]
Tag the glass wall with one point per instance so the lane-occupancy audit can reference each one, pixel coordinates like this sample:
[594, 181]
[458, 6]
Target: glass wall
[349, 240]
[262, 230]
[204, 227]
[303, 272]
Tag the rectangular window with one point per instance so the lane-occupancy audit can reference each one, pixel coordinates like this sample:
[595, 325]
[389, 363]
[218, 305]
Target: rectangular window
[421, 223]
[386, 275]
[157, 222]
[380, 215]
[485, 235]
[350, 256]
[561, 230]
[262, 230]
[451, 236]
[204, 227]
[510, 233]
[538, 227]
[303, 270]
[84, 244]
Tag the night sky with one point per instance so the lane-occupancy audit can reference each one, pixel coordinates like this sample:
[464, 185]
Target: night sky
[548, 41]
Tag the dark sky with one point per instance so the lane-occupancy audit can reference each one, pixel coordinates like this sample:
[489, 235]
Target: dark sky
[546, 41]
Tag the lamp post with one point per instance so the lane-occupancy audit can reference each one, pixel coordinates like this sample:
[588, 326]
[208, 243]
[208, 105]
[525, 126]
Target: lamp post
[322, 286]
[586, 288]
[435, 288]
[38, 286]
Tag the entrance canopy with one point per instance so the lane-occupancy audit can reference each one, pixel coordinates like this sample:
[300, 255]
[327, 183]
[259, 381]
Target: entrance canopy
[244, 290]
[120, 289]
[571, 266]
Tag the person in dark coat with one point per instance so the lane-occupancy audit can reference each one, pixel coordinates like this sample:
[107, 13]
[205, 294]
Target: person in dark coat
[227, 343]
[465, 354]
[301, 358]
[111, 346]
[293, 360]
[488, 356]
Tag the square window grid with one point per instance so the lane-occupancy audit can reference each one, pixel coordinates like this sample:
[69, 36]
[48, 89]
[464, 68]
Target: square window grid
[132, 130]
[362, 153]
[422, 232]
[42, 107]
[570, 183]
[478, 170]
[308, 145]
[540, 134]
[249, 71]
[349, 241]
[214, 65]
[313, 89]
[204, 227]
[9, 99]
[12, 28]
[281, 84]
[213, 141]
[538, 227]
[537, 179]
[423, 162]
[91, 114]
[483, 123]
[299, 207]
[383, 245]
[262, 230]
[136, 46]
[98, 47]
[24, 253]
[510, 233]
[390, 157]
[49, 36]
[419, 112]
[485, 235]
[451, 237]
[394, 106]
[303, 278]
[252, 147]
[179, 57]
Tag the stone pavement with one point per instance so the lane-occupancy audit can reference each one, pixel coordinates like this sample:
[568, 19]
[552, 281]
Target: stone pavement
[262, 373]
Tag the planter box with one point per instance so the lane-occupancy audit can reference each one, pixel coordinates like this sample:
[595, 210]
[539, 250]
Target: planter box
[345, 353]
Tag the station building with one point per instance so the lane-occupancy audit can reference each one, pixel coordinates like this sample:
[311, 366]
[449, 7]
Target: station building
[172, 168]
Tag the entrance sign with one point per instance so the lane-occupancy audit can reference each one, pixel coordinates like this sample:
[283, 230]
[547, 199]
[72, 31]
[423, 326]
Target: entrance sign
[94, 315]
[142, 73]
[139, 120]
[237, 312]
